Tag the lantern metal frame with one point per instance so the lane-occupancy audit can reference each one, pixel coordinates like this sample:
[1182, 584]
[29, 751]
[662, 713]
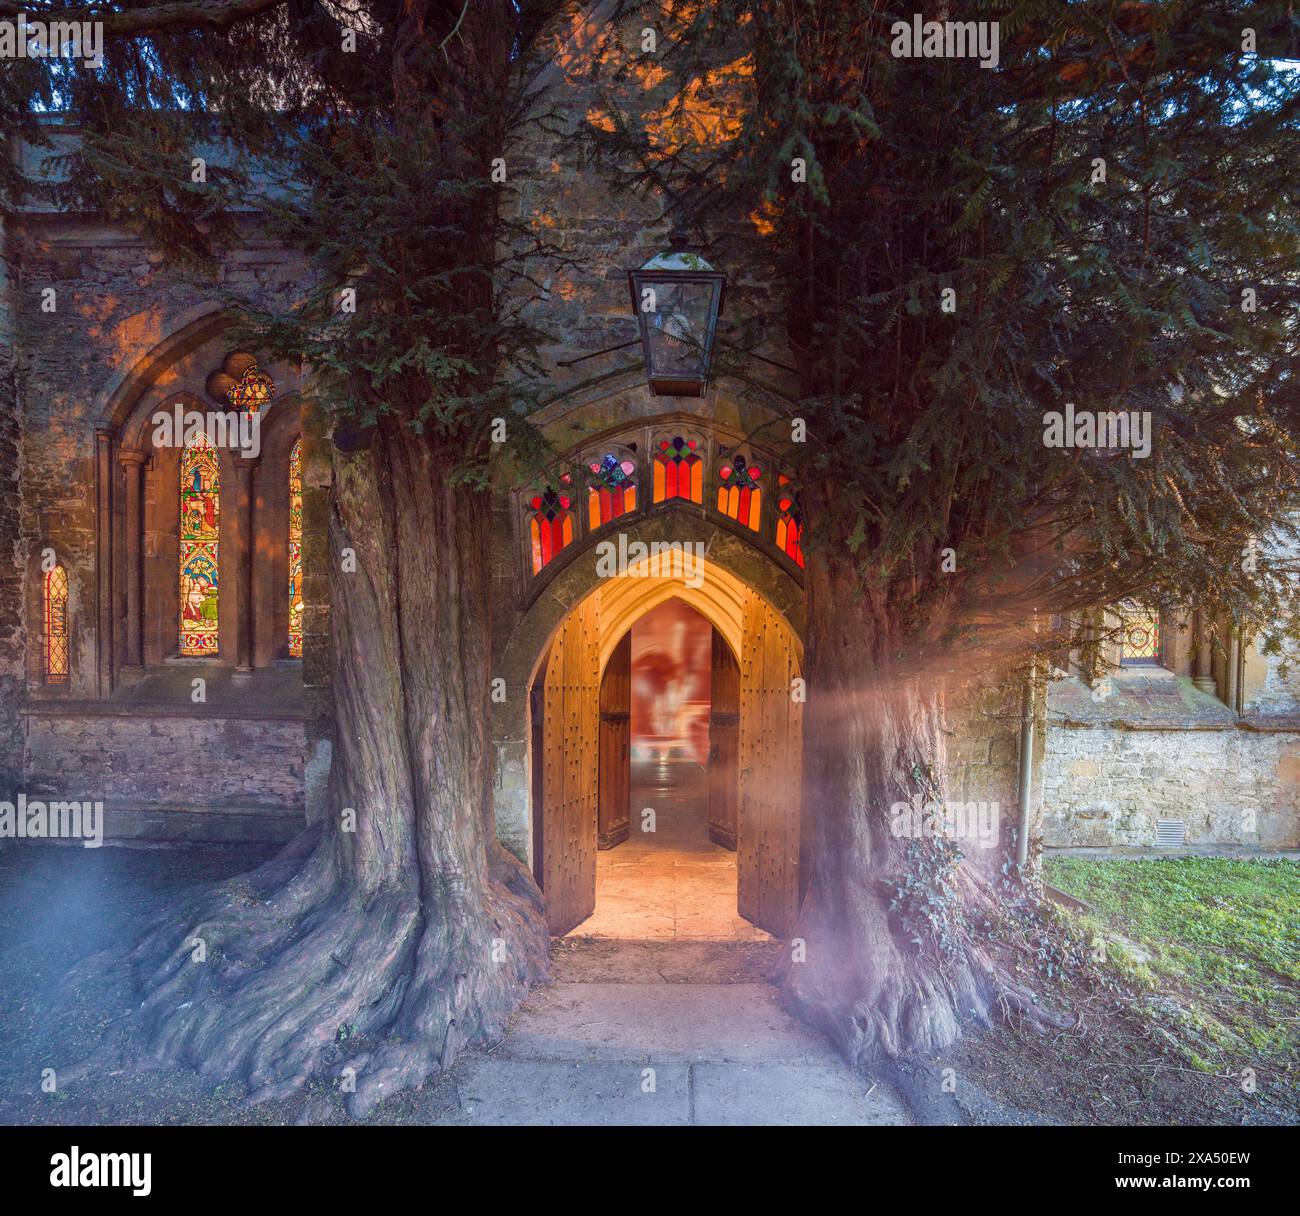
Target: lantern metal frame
[659, 271]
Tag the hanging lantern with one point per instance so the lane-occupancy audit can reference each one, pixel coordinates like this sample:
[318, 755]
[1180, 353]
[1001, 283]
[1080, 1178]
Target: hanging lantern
[677, 296]
[252, 391]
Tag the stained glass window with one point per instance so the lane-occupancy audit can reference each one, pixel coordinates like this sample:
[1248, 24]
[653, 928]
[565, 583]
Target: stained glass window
[295, 551]
[612, 490]
[1140, 640]
[550, 526]
[678, 470]
[739, 495]
[789, 521]
[56, 626]
[200, 517]
[251, 391]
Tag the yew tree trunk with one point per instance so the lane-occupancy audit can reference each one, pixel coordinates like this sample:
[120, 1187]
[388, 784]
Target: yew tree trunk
[889, 961]
[398, 930]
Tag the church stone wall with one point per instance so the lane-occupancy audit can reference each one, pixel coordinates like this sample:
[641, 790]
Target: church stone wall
[12, 624]
[167, 769]
[209, 777]
[1232, 788]
[984, 767]
[1157, 749]
[1272, 691]
[594, 233]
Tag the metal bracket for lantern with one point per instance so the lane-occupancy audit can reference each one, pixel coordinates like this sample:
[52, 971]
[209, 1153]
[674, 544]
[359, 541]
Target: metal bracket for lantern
[677, 297]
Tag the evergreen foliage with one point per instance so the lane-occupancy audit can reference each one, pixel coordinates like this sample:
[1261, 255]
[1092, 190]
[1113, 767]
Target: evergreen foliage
[374, 162]
[1097, 203]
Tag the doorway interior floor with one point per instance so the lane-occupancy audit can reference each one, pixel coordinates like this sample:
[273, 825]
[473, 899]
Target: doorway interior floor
[673, 882]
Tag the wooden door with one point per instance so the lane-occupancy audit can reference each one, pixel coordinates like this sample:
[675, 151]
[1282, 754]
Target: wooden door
[570, 726]
[615, 752]
[771, 767]
[724, 743]
[537, 751]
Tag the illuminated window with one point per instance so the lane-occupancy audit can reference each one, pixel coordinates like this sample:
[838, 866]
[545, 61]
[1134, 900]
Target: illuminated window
[56, 626]
[295, 551]
[1140, 639]
[739, 495]
[550, 526]
[252, 391]
[678, 470]
[612, 490]
[200, 517]
[789, 522]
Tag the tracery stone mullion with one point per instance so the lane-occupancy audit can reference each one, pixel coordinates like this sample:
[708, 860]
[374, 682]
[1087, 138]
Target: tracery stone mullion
[1204, 677]
[133, 463]
[243, 563]
[104, 440]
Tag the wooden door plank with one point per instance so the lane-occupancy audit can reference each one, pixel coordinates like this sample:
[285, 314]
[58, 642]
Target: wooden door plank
[570, 778]
[724, 743]
[770, 741]
[615, 752]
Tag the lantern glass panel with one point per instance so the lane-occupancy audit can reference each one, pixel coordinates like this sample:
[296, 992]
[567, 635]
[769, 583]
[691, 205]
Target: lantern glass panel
[678, 332]
[677, 297]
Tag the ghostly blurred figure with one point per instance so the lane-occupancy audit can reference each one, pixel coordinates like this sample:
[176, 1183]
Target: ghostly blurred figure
[671, 646]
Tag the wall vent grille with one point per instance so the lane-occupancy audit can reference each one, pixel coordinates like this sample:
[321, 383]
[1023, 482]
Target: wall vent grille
[1170, 833]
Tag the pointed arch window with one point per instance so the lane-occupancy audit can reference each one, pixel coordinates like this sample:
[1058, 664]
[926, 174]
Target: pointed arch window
[56, 626]
[739, 496]
[295, 550]
[611, 491]
[1140, 636]
[678, 470]
[789, 521]
[550, 523]
[200, 508]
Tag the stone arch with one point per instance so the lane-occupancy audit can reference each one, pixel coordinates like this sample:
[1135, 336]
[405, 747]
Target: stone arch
[193, 329]
[731, 566]
[720, 600]
[176, 370]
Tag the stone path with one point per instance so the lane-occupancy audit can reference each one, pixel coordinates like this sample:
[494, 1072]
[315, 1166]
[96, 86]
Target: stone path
[660, 1011]
[659, 1052]
[698, 1014]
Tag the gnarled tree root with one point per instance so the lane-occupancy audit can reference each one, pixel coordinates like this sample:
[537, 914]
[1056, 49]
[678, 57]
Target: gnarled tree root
[270, 978]
[872, 996]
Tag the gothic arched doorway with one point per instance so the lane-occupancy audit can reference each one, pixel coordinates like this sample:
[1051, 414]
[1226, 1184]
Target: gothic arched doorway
[581, 736]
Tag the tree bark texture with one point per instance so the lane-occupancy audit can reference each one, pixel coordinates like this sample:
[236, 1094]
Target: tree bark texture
[416, 932]
[884, 959]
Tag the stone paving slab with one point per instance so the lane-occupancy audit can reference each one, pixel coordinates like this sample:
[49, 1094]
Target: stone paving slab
[499, 1092]
[741, 1095]
[662, 1023]
[551, 1093]
[721, 1054]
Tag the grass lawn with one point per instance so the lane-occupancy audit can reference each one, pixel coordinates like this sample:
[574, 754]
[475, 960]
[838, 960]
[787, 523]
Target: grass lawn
[1217, 938]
